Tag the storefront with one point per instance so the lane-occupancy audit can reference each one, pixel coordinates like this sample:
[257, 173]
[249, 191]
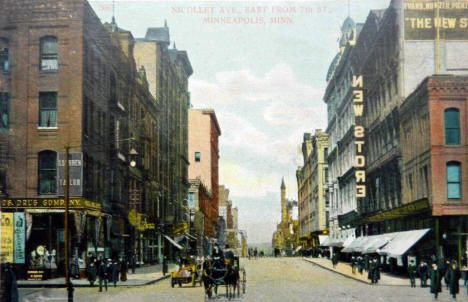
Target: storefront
[44, 233]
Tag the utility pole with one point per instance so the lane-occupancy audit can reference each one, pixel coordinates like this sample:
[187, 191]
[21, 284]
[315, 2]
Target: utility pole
[66, 238]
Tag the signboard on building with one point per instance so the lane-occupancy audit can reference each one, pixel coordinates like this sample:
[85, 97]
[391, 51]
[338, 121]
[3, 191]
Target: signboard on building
[75, 164]
[19, 232]
[6, 238]
[49, 203]
[35, 275]
[425, 19]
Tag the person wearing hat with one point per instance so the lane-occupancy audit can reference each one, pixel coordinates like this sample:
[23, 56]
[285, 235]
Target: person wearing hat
[102, 274]
[435, 277]
[91, 272]
[412, 273]
[452, 277]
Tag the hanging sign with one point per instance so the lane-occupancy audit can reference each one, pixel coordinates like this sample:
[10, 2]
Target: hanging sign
[19, 232]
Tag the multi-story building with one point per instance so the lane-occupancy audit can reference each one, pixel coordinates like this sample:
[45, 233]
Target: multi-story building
[312, 181]
[393, 53]
[199, 203]
[341, 142]
[63, 93]
[167, 71]
[433, 127]
[304, 193]
[203, 133]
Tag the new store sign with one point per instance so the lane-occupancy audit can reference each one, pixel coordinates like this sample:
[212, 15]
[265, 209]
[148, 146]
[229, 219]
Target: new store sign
[423, 18]
[360, 162]
[75, 164]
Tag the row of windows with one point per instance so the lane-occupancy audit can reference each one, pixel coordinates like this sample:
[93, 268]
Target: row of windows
[48, 54]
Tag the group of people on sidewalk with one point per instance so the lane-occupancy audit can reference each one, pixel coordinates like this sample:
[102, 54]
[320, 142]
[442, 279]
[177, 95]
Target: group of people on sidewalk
[368, 264]
[106, 271]
[449, 271]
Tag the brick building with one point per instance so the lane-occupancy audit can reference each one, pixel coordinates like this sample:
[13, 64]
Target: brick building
[434, 154]
[203, 153]
[66, 79]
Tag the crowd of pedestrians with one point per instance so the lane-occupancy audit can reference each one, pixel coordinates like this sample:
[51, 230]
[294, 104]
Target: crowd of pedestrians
[106, 271]
[448, 271]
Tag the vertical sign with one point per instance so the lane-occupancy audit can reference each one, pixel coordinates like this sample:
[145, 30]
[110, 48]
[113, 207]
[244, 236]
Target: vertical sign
[19, 232]
[6, 234]
[358, 109]
[75, 163]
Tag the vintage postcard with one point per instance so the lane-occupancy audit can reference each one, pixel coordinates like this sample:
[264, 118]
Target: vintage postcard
[257, 151]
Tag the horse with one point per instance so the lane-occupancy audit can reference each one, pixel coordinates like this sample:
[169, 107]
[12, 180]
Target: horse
[231, 280]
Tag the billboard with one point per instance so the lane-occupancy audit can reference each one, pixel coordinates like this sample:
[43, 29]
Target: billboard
[424, 18]
[75, 164]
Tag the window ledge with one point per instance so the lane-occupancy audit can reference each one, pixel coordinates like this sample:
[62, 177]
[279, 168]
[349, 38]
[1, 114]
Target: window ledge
[47, 128]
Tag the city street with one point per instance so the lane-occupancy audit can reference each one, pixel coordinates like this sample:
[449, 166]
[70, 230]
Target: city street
[268, 279]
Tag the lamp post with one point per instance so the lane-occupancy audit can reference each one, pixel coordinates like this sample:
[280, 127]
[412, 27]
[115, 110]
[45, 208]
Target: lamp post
[68, 283]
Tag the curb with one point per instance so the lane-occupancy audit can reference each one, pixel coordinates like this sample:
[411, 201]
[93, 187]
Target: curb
[62, 285]
[351, 277]
[343, 274]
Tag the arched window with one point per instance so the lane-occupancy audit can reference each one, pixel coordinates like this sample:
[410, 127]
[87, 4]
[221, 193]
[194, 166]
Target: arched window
[49, 53]
[452, 126]
[453, 180]
[4, 59]
[47, 178]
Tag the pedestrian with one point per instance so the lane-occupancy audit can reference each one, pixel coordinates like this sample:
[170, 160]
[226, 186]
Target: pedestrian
[435, 277]
[412, 273]
[374, 271]
[335, 260]
[102, 274]
[452, 277]
[91, 272]
[353, 265]
[422, 273]
[9, 283]
[164, 266]
[123, 269]
[360, 264]
[115, 269]
[443, 272]
[366, 263]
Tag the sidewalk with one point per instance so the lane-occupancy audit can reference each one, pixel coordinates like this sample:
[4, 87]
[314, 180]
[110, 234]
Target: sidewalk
[345, 270]
[143, 276]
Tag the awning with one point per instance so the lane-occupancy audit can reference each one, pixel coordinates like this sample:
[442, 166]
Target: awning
[402, 242]
[325, 241]
[322, 239]
[173, 242]
[298, 249]
[377, 242]
[356, 243]
[189, 236]
[348, 241]
[336, 242]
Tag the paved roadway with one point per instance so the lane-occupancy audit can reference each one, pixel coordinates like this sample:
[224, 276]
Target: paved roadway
[269, 280]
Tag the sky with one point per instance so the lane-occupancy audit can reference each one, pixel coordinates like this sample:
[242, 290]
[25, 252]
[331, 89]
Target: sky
[262, 67]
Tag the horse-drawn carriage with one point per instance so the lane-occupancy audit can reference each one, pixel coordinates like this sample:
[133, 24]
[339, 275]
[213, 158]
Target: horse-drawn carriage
[190, 272]
[223, 270]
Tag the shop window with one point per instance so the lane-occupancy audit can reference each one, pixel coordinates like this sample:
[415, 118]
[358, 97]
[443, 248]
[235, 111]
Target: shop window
[197, 156]
[4, 55]
[49, 53]
[47, 172]
[453, 180]
[48, 109]
[4, 111]
[452, 126]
